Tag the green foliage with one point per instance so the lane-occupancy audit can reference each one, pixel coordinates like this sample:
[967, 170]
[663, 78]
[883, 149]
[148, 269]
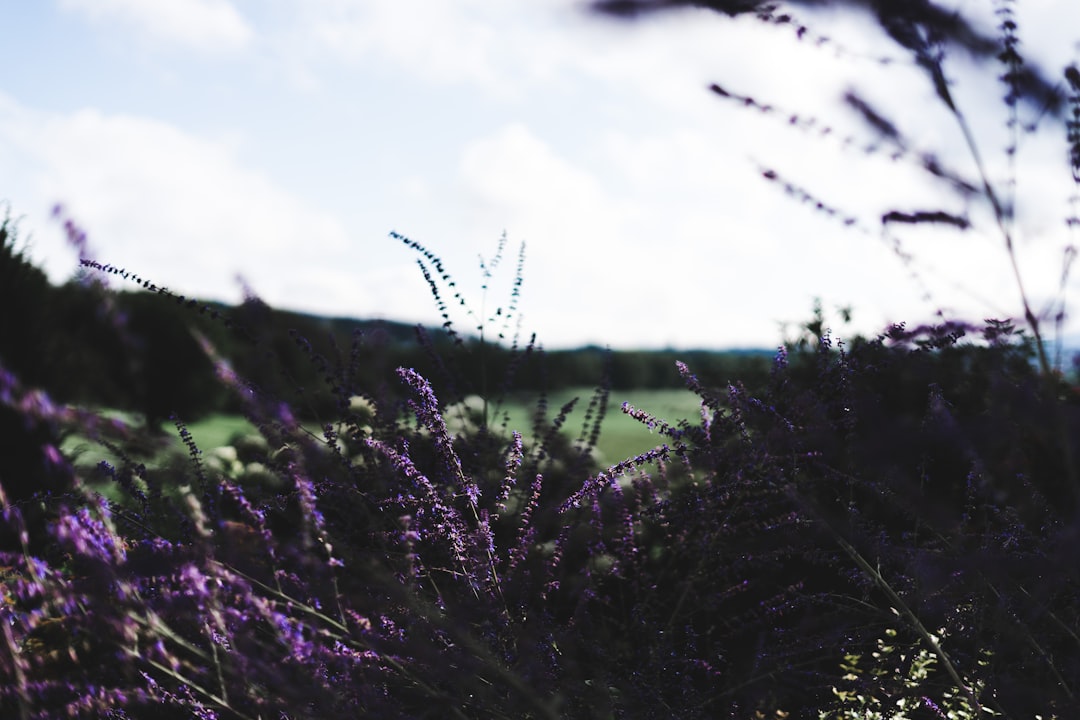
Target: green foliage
[898, 679]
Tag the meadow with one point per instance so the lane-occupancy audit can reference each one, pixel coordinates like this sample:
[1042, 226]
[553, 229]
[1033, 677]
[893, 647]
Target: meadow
[621, 437]
[837, 545]
[883, 529]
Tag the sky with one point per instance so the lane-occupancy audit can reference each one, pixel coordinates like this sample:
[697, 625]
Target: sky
[213, 145]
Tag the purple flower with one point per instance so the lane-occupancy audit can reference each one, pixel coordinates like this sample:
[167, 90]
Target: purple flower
[90, 536]
[427, 412]
[513, 463]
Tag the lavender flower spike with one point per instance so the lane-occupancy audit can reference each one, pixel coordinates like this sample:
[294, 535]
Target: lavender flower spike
[427, 412]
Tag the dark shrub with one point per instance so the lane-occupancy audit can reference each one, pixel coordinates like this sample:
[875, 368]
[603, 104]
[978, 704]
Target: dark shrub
[174, 376]
[25, 296]
[894, 484]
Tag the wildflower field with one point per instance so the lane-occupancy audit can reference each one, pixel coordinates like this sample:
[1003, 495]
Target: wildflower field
[883, 527]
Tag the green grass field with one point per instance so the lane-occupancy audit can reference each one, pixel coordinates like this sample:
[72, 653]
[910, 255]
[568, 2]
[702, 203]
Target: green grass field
[621, 436]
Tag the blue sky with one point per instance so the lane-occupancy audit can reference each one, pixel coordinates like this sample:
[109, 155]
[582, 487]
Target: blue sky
[280, 140]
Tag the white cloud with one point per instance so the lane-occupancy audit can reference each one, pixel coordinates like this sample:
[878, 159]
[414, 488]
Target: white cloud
[517, 170]
[442, 42]
[180, 210]
[515, 180]
[205, 25]
[509, 49]
[675, 254]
